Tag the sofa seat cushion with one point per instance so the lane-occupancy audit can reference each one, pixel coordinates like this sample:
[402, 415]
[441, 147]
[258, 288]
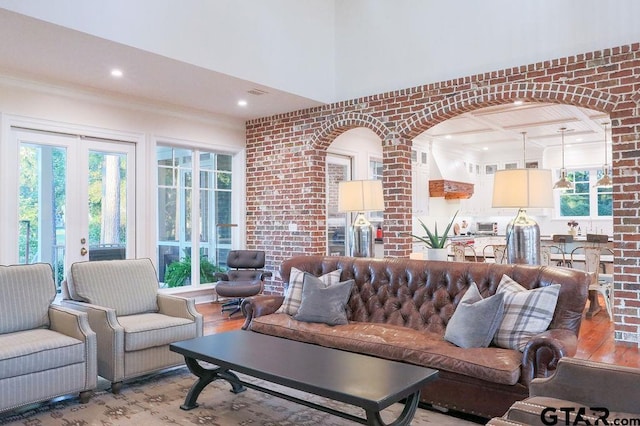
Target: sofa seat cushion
[149, 330]
[401, 344]
[31, 351]
[530, 412]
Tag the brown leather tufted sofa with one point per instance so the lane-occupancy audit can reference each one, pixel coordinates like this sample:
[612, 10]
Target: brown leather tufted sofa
[399, 309]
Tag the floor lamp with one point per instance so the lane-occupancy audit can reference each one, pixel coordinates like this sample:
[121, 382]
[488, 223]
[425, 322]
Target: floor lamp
[360, 196]
[522, 189]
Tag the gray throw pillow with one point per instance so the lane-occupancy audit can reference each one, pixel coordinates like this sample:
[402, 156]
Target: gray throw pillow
[322, 303]
[293, 295]
[475, 320]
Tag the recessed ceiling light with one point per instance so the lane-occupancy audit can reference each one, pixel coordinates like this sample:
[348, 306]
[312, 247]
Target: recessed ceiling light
[116, 72]
[242, 103]
[485, 148]
[448, 137]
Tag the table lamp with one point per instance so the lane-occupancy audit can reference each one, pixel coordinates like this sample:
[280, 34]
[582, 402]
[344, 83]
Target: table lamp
[360, 196]
[522, 189]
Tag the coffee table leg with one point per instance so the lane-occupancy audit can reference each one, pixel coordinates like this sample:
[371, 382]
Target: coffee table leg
[206, 376]
[409, 410]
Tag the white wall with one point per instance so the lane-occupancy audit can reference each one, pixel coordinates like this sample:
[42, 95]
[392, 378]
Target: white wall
[361, 144]
[146, 123]
[384, 45]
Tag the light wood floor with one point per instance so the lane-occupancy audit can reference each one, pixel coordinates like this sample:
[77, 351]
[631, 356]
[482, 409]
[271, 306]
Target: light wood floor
[595, 341]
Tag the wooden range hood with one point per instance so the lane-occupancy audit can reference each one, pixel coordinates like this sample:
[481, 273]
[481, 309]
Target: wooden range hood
[450, 190]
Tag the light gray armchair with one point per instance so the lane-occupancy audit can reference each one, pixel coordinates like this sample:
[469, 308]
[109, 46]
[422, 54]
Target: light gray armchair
[134, 323]
[45, 350]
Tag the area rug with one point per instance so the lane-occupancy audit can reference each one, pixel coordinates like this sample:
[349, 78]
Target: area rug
[156, 399]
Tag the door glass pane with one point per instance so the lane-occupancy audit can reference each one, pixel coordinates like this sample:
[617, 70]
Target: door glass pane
[175, 182]
[107, 205]
[337, 171]
[42, 203]
[215, 214]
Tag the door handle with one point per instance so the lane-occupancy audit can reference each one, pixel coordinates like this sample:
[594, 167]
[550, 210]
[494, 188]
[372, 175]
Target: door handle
[83, 251]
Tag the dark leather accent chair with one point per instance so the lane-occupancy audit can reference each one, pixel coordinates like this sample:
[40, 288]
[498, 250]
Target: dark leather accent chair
[244, 278]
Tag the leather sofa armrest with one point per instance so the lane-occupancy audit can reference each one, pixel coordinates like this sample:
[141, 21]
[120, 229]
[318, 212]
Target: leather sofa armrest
[257, 306]
[593, 384]
[542, 353]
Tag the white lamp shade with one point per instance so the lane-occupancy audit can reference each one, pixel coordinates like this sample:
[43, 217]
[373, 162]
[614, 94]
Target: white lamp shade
[360, 196]
[522, 188]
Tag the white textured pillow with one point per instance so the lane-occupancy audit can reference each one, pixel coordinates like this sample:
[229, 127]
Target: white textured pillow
[526, 312]
[293, 294]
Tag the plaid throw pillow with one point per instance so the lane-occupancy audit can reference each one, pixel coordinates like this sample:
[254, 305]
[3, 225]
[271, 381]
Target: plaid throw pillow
[293, 295]
[526, 312]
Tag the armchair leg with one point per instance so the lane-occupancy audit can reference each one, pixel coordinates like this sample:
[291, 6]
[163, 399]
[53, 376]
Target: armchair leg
[116, 387]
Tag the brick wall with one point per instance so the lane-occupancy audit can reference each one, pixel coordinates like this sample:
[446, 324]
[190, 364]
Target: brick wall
[286, 156]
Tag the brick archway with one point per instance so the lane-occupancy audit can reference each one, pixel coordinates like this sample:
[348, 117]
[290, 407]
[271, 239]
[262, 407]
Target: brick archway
[341, 123]
[396, 160]
[503, 93]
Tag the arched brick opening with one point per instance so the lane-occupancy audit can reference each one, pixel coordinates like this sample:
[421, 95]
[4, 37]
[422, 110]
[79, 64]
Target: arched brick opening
[532, 92]
[341, 123]
[396, 177]
[505, 93]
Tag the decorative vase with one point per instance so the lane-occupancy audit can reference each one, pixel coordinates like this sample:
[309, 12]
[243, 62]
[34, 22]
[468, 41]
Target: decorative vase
[438, 254]
[572, 231]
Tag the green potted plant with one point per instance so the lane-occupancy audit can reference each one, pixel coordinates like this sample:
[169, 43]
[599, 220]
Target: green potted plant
[179, 273]
[434, 241]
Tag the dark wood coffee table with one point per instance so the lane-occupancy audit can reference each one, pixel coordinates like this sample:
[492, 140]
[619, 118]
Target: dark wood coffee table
[360, 380]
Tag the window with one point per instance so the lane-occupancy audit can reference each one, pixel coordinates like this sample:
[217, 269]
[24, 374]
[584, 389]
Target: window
[191, 220]
[375, 172]
[375, 168]
[585, 199]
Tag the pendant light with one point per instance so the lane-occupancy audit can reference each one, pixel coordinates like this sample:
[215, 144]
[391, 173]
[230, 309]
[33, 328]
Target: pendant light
[605, 181]
[564, 183]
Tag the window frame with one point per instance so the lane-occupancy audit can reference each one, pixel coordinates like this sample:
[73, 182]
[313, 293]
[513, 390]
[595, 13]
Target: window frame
[208, 247]
[594, 174]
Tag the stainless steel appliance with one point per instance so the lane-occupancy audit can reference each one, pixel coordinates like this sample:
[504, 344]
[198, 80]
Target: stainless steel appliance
[487, 228]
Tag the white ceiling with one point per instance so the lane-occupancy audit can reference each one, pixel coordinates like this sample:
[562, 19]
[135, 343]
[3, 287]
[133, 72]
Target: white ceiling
[38, 50]
[31, 49]
[501, 127]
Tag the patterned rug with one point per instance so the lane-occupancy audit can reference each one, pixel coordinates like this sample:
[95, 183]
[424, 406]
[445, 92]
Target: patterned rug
[156, 399]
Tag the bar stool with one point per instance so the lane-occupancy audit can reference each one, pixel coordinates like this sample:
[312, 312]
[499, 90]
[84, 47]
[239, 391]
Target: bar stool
[563, 239]
[499, 252]
[600, 283]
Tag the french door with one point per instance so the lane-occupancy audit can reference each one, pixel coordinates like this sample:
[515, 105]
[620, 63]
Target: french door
[76, 199]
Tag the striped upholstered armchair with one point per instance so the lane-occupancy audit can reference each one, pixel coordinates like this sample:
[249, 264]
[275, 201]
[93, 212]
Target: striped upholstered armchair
[45, 350]
[134, 323]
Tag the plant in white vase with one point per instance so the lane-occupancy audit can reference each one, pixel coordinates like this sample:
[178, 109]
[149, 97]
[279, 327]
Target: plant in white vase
[433, 240]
